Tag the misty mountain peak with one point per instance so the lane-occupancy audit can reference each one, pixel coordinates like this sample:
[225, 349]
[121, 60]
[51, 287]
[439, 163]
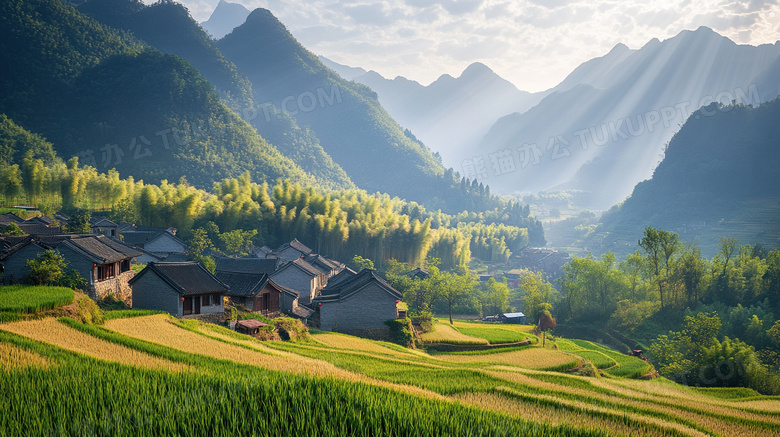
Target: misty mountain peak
[477, 69]
[619, 48]
[226, 17]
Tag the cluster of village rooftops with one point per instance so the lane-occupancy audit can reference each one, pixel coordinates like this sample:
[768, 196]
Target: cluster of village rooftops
[289, 280]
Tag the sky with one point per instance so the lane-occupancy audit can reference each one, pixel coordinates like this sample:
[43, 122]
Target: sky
[534, 44]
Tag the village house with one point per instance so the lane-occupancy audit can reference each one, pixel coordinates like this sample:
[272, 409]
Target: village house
[157, 244]
[104, 226]
[250, 285]
[292, 250]
[180, 288]
[357, 304]
[417, 273]
[254, 291]
[300, 277]
[265, 252]
[250, 326]
[246, 265]
[513, 277]
[518, 318]
[327, 266]
[13, 258]
[291, 306]
[103, 262]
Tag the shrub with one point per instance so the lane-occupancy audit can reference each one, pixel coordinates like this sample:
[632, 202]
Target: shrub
[424, 319]
[89, 312]
[291, 329]
[401, 332]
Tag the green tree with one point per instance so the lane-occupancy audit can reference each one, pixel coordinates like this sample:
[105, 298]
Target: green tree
[494, 297]
[546, 323]
[450, 287]
[691, 270]
[46, 269]
[679, 353]
[362, 263]
[538, 295]
[237, 241]
[660, 247]
[13, 229]
[200, 243]
[79, 222]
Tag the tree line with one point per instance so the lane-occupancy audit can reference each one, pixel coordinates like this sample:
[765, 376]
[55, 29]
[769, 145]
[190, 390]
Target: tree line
[667, 283]
[336, 223]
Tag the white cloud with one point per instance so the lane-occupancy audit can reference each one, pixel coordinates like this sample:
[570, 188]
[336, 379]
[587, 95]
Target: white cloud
[533, 43]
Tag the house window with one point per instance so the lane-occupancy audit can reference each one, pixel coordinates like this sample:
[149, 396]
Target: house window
[216, 299]
[206, 300]
[106, 271]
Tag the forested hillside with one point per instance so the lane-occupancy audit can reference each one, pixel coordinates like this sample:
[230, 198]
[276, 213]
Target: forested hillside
[168, 27]
[718, 178]
[350, 123]
[102, 95]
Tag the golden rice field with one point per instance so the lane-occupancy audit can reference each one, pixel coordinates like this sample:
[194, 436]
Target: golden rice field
[347, 342]
[531, 358]
[512, 383]
[16, 357]
[443, 333]
[160, 329]
[552, 414]
[53, 332]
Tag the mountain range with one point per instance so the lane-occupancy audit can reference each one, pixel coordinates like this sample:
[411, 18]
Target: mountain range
[452, 114]
[598, 133]
[605, 127]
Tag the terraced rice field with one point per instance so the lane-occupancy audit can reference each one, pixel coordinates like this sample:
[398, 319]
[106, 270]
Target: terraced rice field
[444, 333]
[531, 358]
[16, 357]
[55, 333]
[341, 385]
[496, 333]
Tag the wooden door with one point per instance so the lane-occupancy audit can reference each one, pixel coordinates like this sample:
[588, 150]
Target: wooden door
[187, 305]
[197, 305]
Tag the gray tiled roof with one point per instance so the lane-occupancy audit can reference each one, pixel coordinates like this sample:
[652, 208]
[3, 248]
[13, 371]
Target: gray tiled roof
[341, 276]
[8, 218]
[246, 265]
[95, 249]
[355, 283]
[36, 228]
[119, 246]
[320, 262]
[187, 278]
[297, 245]
[303, 312]
[417, 273]
[243, 284]
[137, 238]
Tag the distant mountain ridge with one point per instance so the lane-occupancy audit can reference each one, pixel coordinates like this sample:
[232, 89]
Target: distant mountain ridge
[226, 17]
[605, 127]
[451, 115]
